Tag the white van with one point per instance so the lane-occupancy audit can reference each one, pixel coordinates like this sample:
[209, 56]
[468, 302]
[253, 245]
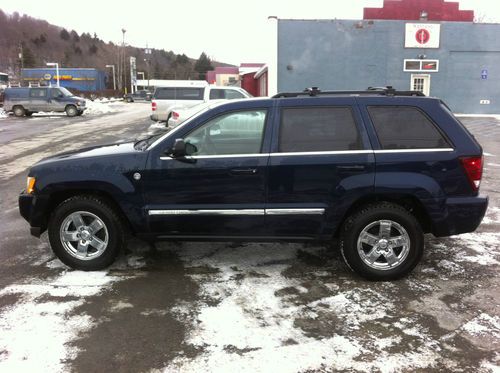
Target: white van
[177, 94]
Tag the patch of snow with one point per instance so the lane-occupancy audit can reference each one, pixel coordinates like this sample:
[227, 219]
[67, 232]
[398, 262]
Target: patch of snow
[489, 154]
[36, 330]
[483, 248]
[3, 114]
[157, 126]
[252, 326]
[484, 324]
[494, 116]
[450, 266]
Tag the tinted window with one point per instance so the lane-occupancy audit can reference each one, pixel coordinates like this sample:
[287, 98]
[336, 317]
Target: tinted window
[56, 93]
[176, 93]
[318, 129]
[233, 94]
[405, 127]
[217, 94]
[38, 92]
[233, 133]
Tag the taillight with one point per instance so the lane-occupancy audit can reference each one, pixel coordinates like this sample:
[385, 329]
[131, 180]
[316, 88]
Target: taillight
[175, 115]
[153, 105]
[473, 167]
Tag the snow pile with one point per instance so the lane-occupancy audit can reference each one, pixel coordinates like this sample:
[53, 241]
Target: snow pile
[3, 114]
[36, 329]
[95, 108]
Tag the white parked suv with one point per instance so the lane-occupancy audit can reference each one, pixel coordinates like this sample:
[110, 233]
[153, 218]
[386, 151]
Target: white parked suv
[181, 94]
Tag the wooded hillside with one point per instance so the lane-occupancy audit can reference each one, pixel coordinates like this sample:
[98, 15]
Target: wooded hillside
[40, 42]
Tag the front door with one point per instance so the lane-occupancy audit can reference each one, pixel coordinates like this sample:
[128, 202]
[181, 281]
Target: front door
[219, 190]
[421, 83]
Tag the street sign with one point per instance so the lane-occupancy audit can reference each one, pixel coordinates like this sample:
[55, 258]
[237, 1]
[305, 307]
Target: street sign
[484, 74]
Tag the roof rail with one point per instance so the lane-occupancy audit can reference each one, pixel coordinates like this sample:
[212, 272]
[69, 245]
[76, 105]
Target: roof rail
[382, 91]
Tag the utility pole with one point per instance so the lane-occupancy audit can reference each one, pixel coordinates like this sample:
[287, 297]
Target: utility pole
[124, 75]
[147, 52]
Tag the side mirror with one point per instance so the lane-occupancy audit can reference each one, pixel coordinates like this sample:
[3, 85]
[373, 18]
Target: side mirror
[181, 148]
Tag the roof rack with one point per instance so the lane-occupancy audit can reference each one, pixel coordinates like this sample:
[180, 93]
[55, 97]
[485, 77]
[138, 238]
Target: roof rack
[382, 91]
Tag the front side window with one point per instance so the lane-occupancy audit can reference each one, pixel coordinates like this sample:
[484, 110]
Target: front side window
[232, 94]
[405, 127]
[318, 129]
[56, 93]
[234, 133]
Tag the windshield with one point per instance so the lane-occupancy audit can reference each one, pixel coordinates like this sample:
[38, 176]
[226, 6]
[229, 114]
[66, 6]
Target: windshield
[65, 92]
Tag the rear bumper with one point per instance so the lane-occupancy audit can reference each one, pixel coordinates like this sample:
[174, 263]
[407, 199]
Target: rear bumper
[159, 116]
[459, 215]
[32, 209]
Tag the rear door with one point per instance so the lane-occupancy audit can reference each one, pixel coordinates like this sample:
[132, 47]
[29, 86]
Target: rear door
[321, 162]
[39, 99]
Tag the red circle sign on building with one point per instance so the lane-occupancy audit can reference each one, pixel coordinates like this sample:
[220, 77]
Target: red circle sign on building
[422, 36]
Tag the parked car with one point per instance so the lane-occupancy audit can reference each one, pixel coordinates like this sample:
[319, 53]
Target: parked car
[375, 169]
[141, 95]
[180, 115]
[184, 94]
[26, 101]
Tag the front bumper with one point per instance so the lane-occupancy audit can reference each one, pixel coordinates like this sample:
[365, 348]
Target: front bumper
[459, 215]
[32, 209]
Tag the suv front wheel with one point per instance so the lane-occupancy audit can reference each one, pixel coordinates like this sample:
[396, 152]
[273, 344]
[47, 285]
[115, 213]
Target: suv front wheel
[382, 241]
[86, 233]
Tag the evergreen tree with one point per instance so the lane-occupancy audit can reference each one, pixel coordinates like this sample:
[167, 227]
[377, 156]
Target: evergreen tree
[64, 34]
[28, 57]
[203, 65]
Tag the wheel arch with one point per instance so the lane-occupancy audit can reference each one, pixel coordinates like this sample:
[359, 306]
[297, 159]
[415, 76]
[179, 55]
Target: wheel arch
[407, 201]
[57, 198]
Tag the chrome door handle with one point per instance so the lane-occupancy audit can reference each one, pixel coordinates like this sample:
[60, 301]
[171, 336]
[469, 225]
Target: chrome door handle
[243, 171]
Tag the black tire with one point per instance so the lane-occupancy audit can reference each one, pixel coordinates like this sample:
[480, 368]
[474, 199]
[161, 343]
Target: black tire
[19, 111]
[386, 219]
[129, 99]
[71, 110]
[112, 233]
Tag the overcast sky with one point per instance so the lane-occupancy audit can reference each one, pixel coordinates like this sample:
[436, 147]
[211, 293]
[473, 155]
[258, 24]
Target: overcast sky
[227, 30]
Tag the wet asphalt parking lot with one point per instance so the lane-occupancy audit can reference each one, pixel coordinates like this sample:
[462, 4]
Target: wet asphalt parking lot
[231, 307]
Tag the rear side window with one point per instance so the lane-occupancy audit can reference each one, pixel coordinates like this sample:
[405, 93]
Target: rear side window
[405, 127]
[38, 92]
[318, 129]
[179, 93]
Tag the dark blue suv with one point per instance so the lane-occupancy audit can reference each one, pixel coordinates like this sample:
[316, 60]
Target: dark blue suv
[376, 169]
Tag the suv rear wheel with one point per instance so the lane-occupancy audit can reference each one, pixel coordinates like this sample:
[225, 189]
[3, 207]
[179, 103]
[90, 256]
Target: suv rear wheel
[382, 241]
[86, 233]
[71, 111]
[19, 111]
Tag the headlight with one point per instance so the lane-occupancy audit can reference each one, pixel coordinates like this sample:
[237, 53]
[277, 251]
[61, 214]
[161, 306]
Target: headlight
[30, 185]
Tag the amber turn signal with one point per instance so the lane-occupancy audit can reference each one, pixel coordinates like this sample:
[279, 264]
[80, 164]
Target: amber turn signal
[30, 185]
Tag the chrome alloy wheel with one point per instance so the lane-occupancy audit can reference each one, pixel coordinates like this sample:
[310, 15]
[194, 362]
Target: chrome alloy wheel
[383, 245]
[84, 235]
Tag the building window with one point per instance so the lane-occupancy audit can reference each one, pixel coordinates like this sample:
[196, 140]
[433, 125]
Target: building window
[421, 65]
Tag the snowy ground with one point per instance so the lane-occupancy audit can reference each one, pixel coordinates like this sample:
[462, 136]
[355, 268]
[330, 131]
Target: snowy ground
[206, 307]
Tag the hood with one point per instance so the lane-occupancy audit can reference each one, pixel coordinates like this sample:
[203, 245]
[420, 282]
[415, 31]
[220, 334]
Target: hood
[94, 151]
